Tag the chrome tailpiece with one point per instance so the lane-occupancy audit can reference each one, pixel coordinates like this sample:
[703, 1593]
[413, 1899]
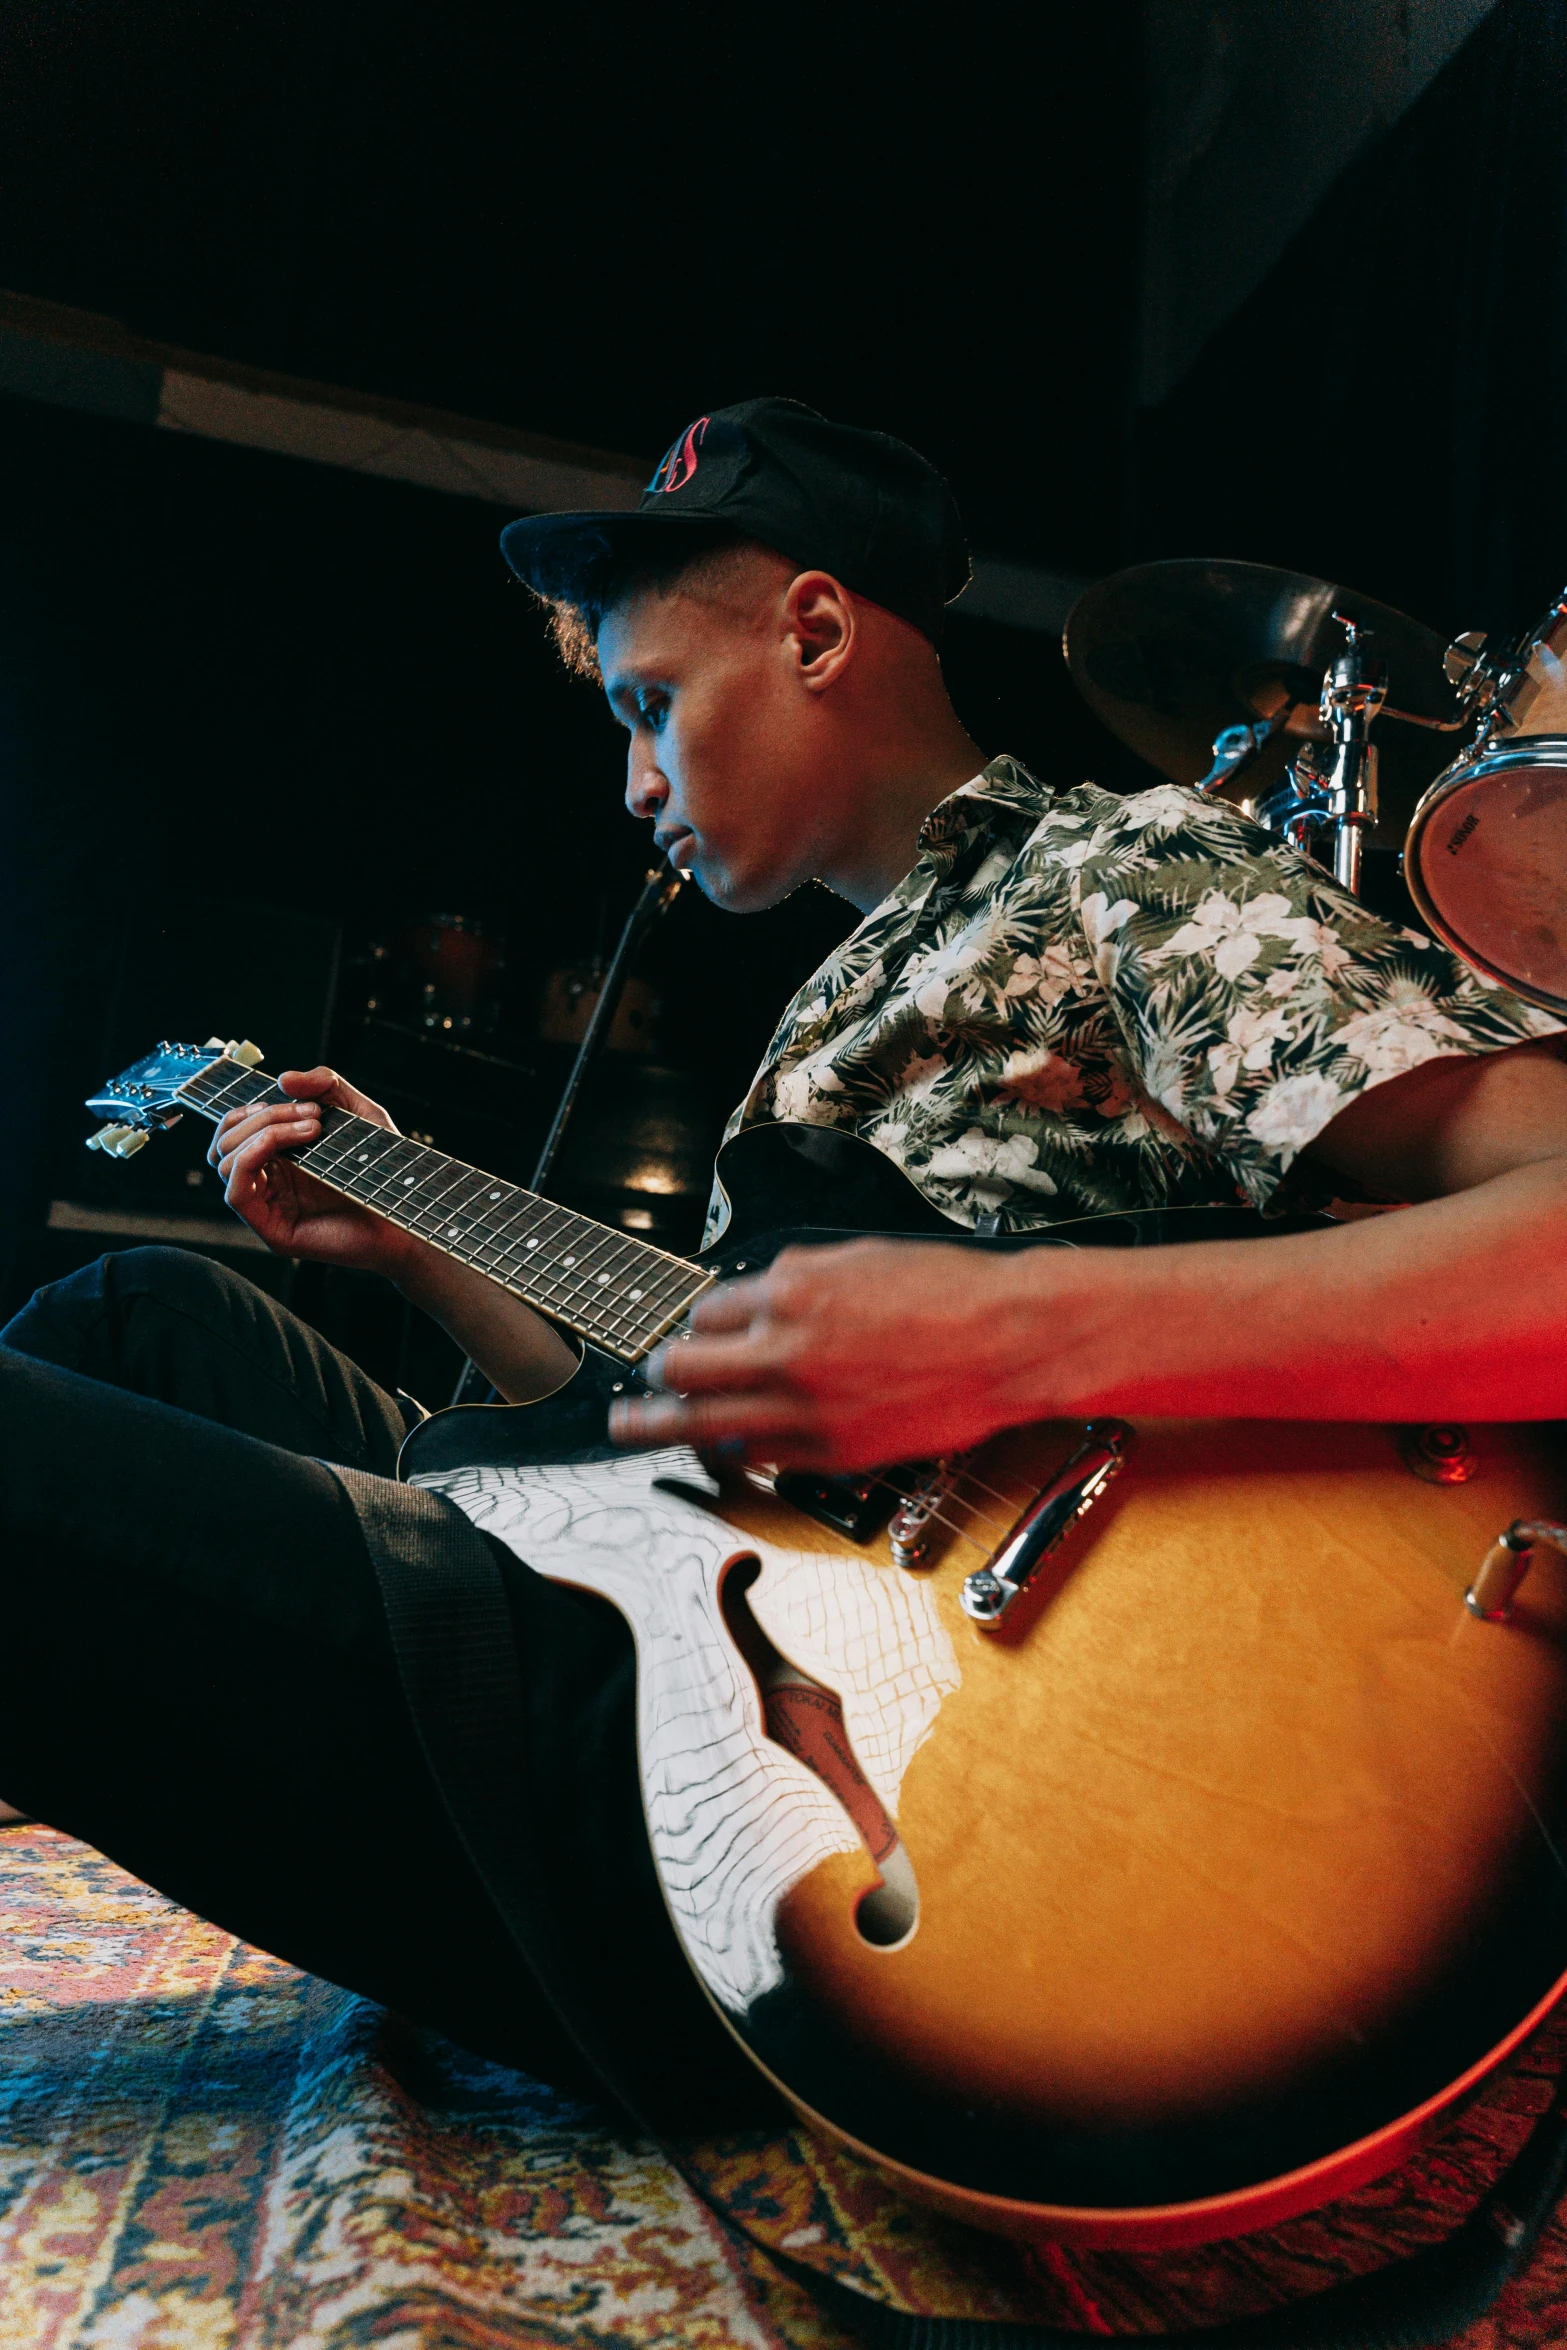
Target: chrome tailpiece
[990, 1591]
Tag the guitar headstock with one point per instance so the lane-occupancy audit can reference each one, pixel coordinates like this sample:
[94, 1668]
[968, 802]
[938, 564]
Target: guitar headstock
[147, 1096]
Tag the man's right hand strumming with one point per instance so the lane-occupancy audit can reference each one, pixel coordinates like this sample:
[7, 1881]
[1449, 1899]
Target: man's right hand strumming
[297, 1216]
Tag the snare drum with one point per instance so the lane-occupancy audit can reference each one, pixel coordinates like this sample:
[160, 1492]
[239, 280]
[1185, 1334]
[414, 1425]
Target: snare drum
[1486, 864]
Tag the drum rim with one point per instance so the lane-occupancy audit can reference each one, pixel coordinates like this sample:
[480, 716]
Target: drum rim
[1522, 750]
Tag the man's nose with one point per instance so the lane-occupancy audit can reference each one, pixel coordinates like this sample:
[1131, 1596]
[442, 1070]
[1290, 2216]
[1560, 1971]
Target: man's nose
[647, 787]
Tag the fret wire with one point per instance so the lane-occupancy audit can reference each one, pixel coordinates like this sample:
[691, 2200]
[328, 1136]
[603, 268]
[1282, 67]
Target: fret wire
[573, 1241]
[525, 1242]
[563, 1288]
[655, 1322]
[579, 1315]
[395, 1184]
[426, 1202]
[367, 1150]
[666, 1303]
[333, 1140]
[609, 1288]
[401, 1159]
[583, 1278]
[501, 1256]
[498, 1207]
[586, 1303]
[661, 1290]
[438, 1188]
[229, 1087]
[405, 1193]
[452, 1206]
[662, 1329]
[562, 1244]
[367, 1161]
[586, 1276]
[338, 1128]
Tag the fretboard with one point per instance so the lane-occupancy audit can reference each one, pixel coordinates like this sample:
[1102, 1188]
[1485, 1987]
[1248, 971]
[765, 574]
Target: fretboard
[619, 1293]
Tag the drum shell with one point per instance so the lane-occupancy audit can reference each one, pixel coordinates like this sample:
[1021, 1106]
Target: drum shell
[1486, 865]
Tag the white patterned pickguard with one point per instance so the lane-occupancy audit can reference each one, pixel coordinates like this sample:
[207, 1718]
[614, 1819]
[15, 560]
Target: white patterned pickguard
[734, 1820]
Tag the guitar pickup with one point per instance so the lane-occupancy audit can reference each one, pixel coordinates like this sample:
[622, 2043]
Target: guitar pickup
[856, 1506]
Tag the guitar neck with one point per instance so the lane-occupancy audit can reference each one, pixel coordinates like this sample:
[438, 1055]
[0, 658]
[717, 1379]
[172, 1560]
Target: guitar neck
[618, 1293]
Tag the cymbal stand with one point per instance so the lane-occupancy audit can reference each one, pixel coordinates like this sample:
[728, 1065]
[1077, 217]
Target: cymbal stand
[1334, 784]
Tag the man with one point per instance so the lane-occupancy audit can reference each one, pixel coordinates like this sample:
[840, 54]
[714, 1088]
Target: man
[1057, 1002]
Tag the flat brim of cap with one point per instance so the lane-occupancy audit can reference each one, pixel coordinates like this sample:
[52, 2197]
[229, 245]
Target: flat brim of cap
[558, 554]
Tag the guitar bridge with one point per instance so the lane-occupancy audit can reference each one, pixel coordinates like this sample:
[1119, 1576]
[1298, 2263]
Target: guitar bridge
[909, 1530]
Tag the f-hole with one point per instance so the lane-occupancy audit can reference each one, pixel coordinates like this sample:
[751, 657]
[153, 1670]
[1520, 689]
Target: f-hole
[806, 1720]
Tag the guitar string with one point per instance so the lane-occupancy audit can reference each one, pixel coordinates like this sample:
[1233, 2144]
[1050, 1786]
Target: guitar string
[579, 1299]
[588, 1309]
[971, 1477]
[949, 1481]
[383, 1144]
[941, 1517]
[916, 1497]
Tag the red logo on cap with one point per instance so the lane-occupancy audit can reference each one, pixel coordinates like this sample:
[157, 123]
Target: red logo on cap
[679, 461]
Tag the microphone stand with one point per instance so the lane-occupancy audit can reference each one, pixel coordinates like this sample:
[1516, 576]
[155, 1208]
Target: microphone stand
[659, 892]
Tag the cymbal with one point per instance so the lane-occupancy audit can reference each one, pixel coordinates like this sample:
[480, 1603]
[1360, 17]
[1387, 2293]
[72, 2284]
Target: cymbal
[1168, 654]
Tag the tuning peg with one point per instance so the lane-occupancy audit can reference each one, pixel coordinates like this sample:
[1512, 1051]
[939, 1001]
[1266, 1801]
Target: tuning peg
[216, 1044]
[246, 1054]
[120, 1142]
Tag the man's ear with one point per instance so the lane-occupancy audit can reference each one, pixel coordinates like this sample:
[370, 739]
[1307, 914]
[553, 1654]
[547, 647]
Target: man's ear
[820, 627]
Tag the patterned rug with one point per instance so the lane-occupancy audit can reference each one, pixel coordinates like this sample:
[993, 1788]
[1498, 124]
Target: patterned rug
[202, 2149]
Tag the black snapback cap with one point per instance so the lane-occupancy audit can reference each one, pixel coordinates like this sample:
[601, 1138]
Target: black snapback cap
[832, 497]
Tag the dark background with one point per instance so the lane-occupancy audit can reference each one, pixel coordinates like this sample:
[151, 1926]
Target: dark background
[254, 711]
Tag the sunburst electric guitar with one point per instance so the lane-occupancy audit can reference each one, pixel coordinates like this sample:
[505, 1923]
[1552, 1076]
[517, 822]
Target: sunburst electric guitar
[1127, 1835]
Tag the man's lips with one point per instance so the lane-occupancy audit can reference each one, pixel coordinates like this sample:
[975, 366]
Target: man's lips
[675, 843]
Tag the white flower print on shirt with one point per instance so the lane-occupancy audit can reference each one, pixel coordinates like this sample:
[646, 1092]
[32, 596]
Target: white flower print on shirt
[1228, 932]
[1294, 1112]
[1074, 1003]
[1397, 1037]
[991, 1163]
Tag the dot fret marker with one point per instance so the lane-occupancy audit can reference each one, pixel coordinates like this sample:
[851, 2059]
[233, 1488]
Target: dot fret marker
[614, 1291]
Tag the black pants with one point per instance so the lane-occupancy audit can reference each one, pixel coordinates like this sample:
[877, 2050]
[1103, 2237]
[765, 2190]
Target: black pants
[196, 1677]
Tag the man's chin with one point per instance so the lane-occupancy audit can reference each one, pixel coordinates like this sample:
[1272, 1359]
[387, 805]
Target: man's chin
[736, 893]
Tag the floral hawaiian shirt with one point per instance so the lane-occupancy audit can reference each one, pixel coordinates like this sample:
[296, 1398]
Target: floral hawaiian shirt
[1076, 1003]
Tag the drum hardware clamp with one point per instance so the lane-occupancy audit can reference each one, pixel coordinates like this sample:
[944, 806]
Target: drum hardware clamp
[1333, 783]
[1490, 1596]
